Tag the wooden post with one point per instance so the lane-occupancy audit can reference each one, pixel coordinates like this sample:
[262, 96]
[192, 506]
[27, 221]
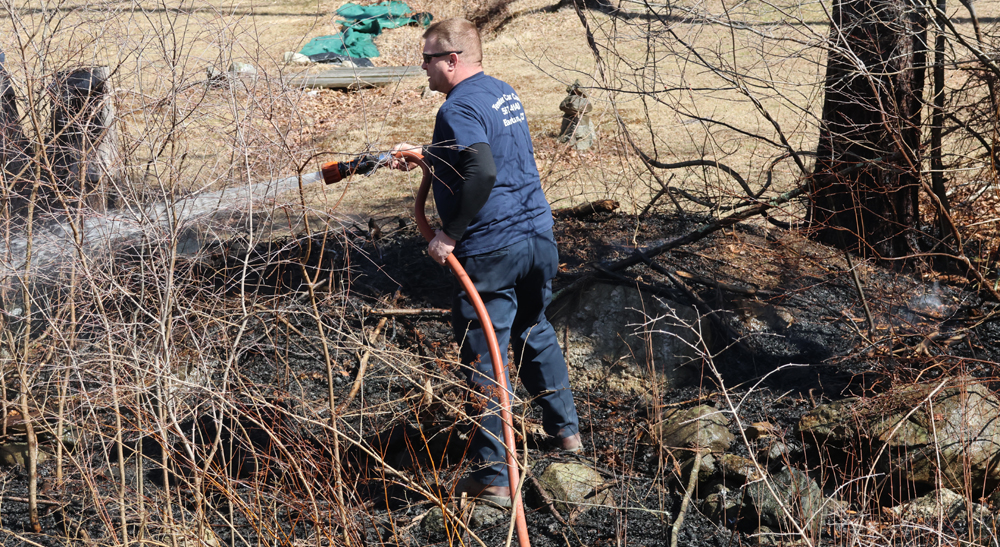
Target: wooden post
[15, 150]
[84, 142]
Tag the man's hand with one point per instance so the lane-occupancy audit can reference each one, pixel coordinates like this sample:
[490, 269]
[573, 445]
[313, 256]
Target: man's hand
[399, 163]
[440, 247]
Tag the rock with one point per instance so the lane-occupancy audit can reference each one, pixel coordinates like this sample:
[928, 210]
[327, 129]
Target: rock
[706, 471]
[609, 343]
[774, 451]
[17, 454]
[577, 129]
[949, 508]
[295, 58]
[953, 432]
[796, 492]
[237, 69]
[721, 503]
[937, 504]
[831, 422]
[428, 93]
[738, 468]
[573, 487]
[242, 69]
[698, 427]
[435, 525]
[758, 430]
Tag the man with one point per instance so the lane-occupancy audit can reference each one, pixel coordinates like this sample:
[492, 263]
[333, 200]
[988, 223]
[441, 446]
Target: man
[497, 222]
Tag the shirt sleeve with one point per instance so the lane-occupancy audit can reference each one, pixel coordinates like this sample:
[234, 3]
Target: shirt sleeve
[465, 125]
[479, 173]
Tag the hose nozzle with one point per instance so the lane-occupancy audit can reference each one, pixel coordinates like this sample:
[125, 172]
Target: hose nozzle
[365, 164]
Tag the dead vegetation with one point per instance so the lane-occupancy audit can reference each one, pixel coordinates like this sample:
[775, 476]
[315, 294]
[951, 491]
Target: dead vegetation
[279, 373]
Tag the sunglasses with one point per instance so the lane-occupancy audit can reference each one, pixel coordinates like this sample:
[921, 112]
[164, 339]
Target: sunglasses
[429, 56]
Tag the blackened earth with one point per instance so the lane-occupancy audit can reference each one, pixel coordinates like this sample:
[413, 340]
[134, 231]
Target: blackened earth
[819, 348]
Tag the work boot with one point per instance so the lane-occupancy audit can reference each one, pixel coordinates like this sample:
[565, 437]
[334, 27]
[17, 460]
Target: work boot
[573, 443]
[473, 489]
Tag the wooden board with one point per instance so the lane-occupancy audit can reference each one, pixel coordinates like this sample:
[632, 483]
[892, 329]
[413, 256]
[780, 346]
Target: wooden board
[353, 77]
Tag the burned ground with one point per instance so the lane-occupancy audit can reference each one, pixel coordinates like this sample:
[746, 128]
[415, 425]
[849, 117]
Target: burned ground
[792, 333]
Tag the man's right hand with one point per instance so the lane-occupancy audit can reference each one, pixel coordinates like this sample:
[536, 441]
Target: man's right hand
[440, 247]
[400, 163]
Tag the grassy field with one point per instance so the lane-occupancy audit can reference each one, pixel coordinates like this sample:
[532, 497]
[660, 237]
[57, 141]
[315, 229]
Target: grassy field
[725, 84]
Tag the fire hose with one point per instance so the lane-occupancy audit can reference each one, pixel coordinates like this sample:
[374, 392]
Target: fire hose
[364, 165]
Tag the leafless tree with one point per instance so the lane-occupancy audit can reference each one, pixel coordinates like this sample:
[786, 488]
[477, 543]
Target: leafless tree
[830, 105]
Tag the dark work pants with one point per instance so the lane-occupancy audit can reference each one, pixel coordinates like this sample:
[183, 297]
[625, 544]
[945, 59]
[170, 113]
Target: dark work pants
[515, 284]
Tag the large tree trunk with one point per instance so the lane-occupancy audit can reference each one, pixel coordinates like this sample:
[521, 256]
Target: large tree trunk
[84, 140]
[868, 161]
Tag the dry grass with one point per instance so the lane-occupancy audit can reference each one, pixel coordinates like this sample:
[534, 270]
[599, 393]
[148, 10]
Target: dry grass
[779, 57]
[140, 335]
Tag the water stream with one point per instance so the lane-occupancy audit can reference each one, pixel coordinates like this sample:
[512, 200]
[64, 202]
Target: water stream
[55, 240]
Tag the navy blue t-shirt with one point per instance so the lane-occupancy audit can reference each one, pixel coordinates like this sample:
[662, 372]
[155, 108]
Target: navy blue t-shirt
[482, 109]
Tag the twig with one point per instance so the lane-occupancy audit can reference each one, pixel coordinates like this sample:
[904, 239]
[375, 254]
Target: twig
[692, 482]
[362, 367]
[861, 293]
[363, 363]
[548, 501]
[39, 501]
[703, 280]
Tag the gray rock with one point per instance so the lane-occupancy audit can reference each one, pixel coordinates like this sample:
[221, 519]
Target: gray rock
[943, 503]
[610, 343]
[17, 454]
[832, 422]
[774, 451]
[708, 468]
[435, 525]
[242, 69]
[953, 433]
[795, 492]
[945, 506]
[699, 427]
[721, 503]
[574, 487]
[577, 129]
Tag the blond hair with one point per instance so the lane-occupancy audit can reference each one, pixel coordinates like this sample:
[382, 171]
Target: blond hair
[457, 34]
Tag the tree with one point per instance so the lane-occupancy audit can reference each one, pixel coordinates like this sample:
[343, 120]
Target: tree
[868, 162]
[744, 104]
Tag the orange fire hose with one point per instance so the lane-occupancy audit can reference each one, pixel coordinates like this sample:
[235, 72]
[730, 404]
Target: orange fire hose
[491, 339]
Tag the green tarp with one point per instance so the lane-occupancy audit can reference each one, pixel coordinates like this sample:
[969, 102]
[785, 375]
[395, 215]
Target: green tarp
[361, 25]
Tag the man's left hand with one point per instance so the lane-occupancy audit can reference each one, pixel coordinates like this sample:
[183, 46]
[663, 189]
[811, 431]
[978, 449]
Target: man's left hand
[395, 162]
[440, 247]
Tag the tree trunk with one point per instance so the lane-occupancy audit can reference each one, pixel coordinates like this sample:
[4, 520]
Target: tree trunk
[868, 161]
[84, 141]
